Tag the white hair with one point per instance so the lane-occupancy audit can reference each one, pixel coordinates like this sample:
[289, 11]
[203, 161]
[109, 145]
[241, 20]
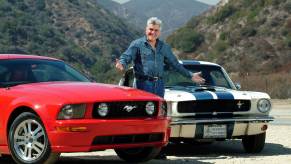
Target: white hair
[154, 21]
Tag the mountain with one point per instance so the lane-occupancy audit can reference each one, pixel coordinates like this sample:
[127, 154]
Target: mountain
[109, 4]
[80, 32]
[173, 13]
[247, 37]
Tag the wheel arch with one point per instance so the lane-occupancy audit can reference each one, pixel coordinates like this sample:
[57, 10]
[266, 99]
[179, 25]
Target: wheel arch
[47, 156]
[16, 112]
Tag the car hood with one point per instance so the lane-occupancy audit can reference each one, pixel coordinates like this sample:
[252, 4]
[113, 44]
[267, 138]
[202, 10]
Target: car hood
[180, 93]
[81, 91]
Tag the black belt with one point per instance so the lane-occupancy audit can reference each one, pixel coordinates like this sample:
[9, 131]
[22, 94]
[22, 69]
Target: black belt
[147, 78]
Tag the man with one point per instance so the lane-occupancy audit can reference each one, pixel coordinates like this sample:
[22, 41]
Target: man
[150, 55]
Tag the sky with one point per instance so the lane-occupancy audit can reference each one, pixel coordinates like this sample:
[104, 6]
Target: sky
[211, 2]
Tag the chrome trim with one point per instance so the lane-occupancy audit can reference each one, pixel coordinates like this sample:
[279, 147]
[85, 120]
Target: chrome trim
[179, 121]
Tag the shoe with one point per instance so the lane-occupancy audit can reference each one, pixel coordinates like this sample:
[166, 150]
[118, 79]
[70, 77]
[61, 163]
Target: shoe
[161, 156]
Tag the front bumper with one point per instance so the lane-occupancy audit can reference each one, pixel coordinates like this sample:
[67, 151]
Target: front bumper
[235, 127]
[95, 134]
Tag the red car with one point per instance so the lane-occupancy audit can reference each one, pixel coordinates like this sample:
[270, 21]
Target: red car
[47, 108]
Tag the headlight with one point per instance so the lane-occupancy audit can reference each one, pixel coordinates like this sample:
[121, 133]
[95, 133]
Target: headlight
[264, 105]
[163, 109]
[72, 111]
[103, 109]
[150, 108]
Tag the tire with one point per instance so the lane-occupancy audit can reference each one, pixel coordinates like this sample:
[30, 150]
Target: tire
[28, 141]
[138, 154]
[254, 143]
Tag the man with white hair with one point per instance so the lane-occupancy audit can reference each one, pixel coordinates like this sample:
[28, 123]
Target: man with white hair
[149, 55]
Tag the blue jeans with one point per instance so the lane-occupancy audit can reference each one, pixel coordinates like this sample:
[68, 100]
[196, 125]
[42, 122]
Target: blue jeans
[155, 87]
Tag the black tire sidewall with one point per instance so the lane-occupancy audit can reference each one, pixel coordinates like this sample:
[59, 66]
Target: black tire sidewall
[254, 143]
[22, 117]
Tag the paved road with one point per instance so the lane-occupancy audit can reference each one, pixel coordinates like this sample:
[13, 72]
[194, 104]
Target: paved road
[277, 148]
[282, 112]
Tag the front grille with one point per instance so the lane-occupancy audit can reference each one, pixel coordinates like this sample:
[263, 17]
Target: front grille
[210, 106]
[128, 139]
[119, 110]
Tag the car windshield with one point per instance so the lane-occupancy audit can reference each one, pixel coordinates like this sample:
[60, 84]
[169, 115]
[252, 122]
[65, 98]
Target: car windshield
[213, 75]
[22, 71]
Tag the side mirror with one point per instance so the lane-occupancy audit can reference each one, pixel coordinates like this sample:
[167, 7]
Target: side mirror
[237, 86]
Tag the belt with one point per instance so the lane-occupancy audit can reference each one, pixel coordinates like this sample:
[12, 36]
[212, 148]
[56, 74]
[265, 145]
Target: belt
[147, 78]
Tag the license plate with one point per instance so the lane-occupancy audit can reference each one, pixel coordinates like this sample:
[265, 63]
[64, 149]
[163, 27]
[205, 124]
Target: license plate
[214, 131]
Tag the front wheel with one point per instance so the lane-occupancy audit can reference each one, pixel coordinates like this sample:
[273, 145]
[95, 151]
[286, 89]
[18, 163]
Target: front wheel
[28, 141]
[138, 154]
[254, 143]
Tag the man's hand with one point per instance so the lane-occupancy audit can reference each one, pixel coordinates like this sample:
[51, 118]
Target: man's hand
[118, 65]
[196, 77]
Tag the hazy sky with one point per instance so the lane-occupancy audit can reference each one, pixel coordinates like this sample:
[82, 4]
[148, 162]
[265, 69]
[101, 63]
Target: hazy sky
[212, 2]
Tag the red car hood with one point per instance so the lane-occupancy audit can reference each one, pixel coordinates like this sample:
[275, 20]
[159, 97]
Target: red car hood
[83, 91]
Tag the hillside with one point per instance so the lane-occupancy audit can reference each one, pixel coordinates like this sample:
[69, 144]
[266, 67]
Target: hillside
[173, 13]
[242, 30]
[78, 31]
[247, 37]
[110, 5]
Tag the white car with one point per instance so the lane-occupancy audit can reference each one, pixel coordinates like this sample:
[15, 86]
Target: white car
[214, 111]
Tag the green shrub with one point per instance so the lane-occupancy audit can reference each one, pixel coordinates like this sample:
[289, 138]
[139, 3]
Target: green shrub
[284, 32]
[221, 46]
[288, 25]
[287, 7]
[193, 22]
[288, 42]
[275, 22]
[186, 40]
[223, 36]
[248, 31]
[222, 14]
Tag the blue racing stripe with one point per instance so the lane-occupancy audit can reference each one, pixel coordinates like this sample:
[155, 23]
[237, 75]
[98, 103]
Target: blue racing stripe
[203, 95]
[224, 95]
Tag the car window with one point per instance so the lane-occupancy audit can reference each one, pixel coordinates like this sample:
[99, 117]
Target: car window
[46, 72]
[213, 76]
[219, 79]
[19, 71]
[3, 72]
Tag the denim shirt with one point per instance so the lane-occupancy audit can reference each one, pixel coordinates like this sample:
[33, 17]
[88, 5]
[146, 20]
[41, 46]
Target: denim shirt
[149, 61]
